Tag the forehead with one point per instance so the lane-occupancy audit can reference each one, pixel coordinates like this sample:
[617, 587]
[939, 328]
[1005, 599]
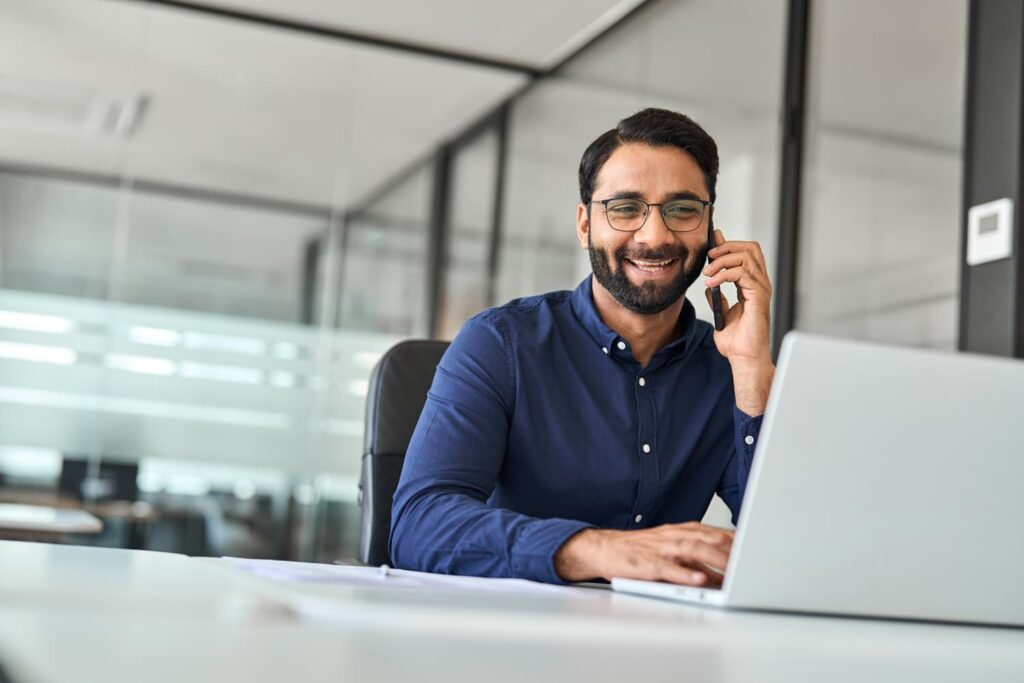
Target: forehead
[651, 171]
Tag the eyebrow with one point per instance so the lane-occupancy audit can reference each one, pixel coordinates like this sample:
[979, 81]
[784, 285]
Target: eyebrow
[633, 194]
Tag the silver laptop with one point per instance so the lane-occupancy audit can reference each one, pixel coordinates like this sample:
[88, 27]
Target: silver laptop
[887, 482]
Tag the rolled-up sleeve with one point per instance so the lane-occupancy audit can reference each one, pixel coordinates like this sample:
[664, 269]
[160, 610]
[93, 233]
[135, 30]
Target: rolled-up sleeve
[441, 521]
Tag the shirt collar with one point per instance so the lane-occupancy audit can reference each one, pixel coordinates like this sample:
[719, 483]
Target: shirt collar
[583, 307]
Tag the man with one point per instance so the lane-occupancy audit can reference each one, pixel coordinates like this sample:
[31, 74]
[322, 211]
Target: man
[581, 435]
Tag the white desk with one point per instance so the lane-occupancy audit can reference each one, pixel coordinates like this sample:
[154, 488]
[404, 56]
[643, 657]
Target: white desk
[86, 614]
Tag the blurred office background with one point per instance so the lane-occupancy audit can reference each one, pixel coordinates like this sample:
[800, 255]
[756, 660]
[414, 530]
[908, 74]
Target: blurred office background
[216, 215]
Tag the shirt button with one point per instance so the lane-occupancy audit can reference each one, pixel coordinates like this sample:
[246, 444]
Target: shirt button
[642, 381]
[647, 448]
[621, 345]
[638, 519]
[748, 440]
[605, 349]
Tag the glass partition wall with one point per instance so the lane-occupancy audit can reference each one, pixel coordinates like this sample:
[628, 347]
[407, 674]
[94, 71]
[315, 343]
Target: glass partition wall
[202, 258]
[879, 251]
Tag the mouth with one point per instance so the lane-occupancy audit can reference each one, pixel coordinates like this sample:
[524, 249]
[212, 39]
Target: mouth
[651, 269]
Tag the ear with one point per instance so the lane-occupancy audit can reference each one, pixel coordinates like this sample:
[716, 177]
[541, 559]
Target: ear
[582, 225]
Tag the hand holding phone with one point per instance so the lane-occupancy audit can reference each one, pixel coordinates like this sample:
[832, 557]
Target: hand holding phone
[716, 292]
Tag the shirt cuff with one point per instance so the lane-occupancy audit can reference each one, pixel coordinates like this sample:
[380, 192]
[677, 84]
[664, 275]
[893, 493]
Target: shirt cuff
[747, 430]
[533, 552]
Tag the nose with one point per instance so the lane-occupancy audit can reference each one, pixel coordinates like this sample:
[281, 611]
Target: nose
[654, 232]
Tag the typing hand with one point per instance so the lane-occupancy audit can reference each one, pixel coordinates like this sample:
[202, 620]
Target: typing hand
[692, 554]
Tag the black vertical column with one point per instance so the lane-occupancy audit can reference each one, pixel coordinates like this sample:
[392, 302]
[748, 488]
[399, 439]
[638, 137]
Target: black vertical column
[437, 240]
[784, 316]
[992, 294]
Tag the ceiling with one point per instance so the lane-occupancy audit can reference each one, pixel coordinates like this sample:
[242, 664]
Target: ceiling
[533, 33]
[192, 99]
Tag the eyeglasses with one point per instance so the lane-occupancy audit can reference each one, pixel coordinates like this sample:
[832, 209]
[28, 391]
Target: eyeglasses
[629, 215]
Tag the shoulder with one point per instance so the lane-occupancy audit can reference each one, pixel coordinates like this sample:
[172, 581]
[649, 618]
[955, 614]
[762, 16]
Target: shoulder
[509, 319]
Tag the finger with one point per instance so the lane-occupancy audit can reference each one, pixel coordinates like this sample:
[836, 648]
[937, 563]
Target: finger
[741, 276]
[745, 251]
[711, 303]
[709, 534]
[681, 574]
[730, 260]
[719, 237]
[695, 552]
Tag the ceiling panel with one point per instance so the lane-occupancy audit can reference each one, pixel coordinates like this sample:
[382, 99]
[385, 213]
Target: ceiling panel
[229, 106]
[536, 33]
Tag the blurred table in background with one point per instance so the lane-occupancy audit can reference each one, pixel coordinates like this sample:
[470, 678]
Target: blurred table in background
[44, 523]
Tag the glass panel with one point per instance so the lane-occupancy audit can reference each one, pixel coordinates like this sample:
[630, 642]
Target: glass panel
[471, 214]
[734, 95]
[384, 281]
[879, 245]
[171, 263]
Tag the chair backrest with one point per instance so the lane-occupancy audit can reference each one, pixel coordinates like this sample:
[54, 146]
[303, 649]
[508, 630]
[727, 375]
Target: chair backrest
[398, 390]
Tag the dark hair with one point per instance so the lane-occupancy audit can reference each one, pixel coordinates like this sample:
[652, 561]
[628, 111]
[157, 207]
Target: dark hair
[657, 128]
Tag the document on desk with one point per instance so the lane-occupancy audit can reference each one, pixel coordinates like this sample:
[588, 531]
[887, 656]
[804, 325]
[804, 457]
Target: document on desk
[347, 575]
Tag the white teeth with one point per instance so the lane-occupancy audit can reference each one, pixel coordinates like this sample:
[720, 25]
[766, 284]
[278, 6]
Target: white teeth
[651, 265]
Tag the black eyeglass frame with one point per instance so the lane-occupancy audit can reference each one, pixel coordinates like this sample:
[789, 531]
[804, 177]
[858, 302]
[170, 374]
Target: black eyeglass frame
[647, 213]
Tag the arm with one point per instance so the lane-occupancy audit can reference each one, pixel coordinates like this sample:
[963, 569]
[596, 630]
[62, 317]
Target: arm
[440, 519]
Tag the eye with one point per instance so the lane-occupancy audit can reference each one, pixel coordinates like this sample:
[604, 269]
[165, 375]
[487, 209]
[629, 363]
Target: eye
[683, 209]
[625, 208]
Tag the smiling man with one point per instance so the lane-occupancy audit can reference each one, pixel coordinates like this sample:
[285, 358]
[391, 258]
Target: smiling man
[580, 435]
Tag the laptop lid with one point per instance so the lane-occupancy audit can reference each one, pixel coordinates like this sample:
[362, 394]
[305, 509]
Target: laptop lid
[887, 482]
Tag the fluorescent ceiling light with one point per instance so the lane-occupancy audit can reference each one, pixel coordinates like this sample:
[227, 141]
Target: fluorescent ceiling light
[222, 373]
[222, 342]
[280, 378]
[141, 364]
[154, 336]
[37, 353]
[34, 322]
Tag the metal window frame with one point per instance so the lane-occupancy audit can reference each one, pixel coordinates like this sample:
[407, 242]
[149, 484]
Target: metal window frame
[792, 160]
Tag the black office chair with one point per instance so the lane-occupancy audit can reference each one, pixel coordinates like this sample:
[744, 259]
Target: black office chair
[398, 390]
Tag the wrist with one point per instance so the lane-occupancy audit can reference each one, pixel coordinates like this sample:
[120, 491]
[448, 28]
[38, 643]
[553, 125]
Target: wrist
[580, 557]
[752, 382]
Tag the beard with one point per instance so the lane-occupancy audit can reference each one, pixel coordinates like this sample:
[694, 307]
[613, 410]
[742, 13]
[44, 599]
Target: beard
[647, 298]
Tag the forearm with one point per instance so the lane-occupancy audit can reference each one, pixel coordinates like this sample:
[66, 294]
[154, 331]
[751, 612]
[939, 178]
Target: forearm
[449, 532]
[752, 382]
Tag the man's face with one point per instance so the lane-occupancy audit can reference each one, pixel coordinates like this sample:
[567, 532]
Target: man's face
[650, 269]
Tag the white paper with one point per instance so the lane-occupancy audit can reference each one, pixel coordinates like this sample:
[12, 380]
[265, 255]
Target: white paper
[347, 575]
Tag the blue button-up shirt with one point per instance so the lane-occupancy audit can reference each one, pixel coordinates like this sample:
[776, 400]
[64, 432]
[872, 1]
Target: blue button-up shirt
[540, 423]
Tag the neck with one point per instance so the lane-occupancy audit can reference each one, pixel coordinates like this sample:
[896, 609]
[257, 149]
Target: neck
[645, 333]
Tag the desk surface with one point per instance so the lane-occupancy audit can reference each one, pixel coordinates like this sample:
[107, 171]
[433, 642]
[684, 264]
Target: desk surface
[81, 614]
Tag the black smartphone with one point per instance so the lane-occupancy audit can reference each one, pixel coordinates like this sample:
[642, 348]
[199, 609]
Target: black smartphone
[716, 292]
